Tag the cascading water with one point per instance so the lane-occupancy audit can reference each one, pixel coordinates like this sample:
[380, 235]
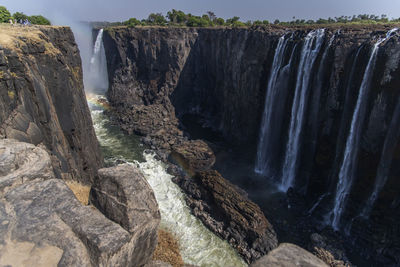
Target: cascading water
[385, 162]
[198, 245]
[267, 138]
[348, 168]
[309, 53]
[96, 80]
[315, 108]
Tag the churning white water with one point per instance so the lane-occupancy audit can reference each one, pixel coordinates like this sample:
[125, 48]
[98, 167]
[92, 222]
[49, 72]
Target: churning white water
[198, 245]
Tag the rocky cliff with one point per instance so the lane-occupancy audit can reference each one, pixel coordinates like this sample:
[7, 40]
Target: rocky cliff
[43, 101]
[222, 75]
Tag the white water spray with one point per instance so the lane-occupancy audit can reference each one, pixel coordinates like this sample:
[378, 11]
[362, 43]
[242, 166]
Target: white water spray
[96, 80]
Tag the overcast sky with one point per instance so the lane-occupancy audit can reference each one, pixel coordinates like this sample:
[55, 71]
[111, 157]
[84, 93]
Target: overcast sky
[118, 10]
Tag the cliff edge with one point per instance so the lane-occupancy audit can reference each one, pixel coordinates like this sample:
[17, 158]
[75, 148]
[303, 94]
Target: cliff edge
[42, 99]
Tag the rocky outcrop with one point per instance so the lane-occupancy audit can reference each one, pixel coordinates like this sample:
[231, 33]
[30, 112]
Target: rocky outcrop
[288, 255]
[42, 100]
[125, 197]
[231, 215]
[221, 74]
[43, 224]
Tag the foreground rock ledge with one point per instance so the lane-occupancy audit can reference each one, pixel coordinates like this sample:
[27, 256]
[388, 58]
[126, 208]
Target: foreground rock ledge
[229, 214]
[288, 255]
[43, 224]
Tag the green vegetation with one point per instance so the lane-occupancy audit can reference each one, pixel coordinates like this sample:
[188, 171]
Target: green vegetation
[179, 18]
[39, 20]
[4, 14]
[5, 17]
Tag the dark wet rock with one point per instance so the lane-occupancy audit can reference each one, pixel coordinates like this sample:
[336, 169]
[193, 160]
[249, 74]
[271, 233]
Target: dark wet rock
[288, 255]
[221, 75]
[42, 100]
[193, 156]
[229, 214]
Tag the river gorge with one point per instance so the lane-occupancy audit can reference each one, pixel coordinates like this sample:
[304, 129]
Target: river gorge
[236, 140]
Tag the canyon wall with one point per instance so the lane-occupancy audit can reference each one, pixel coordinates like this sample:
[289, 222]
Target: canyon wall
[222, 75]
[43, 101]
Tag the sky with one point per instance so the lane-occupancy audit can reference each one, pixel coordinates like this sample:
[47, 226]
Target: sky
[60, 12]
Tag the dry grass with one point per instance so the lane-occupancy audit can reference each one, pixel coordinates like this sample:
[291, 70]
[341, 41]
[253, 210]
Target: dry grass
[80, 191]
[14, 37]
[328, 258]
[167, 249]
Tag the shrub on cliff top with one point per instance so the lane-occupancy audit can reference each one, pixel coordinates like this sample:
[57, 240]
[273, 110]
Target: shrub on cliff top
[4, 14]
[39, 20]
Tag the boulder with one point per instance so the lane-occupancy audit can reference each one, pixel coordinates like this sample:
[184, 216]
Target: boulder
[193, 156]
[229, 214]
[22, 162]
[43, 224]
[124, 196]
[288, 255]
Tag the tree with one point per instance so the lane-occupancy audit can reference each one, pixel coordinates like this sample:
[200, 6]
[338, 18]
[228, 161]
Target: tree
[220, 21]
[132, 22]
[232, 21]
[211, 15]
[177, 16]
[156, 19]
[39, 20]
[4, 14]
[20, 16]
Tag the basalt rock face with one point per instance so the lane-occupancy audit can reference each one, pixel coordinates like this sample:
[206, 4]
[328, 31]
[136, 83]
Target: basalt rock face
[42, 100]
[217, 72]
[229, 214]
[222, 75]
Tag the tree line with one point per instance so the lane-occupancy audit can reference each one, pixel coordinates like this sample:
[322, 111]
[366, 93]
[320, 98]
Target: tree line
[5, 17]
[180, 18]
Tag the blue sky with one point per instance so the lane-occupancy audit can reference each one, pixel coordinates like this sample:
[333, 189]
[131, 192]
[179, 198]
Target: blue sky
[118, 10]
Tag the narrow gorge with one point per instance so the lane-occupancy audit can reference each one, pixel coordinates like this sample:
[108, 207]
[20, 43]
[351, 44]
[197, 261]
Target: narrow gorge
[305, 121]
[247, 146]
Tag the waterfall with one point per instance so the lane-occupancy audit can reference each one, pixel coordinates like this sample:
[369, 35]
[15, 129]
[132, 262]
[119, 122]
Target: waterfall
[267, 138]
[97, 77]
[348, 168]
[198, 245]
[385, 162]
[309, 53]
[313, 121]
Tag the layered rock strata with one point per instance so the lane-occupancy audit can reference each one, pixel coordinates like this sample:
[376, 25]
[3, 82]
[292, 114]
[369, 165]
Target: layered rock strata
[42, 100]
